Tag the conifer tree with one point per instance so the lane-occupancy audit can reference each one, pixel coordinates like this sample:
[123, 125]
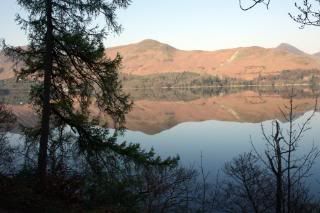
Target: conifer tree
[67, 57]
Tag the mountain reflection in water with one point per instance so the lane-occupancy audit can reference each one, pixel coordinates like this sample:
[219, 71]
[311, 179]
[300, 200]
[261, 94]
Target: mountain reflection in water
[219, 126]
[157, 111]
[219, 122]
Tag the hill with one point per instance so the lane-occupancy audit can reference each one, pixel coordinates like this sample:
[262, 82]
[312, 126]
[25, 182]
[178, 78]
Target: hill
[289, 48]
[317, 54]
[152, 57]
[6, 67]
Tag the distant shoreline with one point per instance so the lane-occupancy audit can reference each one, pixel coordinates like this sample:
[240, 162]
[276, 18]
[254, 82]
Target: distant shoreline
[219, 86]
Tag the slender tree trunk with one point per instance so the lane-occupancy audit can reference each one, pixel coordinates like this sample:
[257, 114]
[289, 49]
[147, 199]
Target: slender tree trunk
[289, 154]
[279, 189]
[279, 174]
[45, 120]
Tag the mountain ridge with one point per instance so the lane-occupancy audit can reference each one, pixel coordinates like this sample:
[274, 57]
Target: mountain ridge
[153, 57]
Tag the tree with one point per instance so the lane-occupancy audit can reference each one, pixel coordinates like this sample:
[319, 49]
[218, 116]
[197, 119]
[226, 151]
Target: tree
[281, 147]
[248, 186]
[278, 173]
[7, 119]
[249, 4]
[67, 58]
[308, 11]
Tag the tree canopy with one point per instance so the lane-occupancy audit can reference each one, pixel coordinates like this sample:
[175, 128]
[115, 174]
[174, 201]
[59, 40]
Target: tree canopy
[66, 56]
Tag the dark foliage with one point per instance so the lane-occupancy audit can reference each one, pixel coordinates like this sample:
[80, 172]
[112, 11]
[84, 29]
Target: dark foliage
[67, 58]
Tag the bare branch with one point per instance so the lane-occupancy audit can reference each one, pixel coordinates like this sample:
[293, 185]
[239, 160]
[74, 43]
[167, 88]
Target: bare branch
[253, 3]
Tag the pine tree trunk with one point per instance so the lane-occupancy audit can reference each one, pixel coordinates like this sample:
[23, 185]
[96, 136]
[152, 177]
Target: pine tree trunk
[45, 120]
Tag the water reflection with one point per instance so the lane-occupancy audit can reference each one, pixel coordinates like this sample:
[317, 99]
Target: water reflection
[153, 114]
[221, 141]
[160, 109]
[219, 122]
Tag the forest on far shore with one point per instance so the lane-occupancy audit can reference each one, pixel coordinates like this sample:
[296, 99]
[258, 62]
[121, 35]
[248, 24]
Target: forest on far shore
[191, 79]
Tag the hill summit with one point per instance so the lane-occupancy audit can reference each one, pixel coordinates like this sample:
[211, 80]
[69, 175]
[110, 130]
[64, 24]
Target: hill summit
[153, 57]
[290, 48]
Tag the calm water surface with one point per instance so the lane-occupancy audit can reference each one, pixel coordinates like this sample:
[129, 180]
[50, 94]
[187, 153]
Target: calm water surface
[220, 123]
[219, 126]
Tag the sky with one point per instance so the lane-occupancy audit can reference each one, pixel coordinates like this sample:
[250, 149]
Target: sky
[194, 24]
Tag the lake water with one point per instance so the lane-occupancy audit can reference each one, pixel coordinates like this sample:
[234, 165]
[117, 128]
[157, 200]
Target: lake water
[217, 123]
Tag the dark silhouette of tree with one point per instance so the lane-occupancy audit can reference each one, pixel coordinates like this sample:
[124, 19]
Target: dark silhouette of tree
[288, 169]
[67, 58]
[308, 10]
[249, 4]
[309, 13]
[7, 120]
[273, 181]
[248, 187]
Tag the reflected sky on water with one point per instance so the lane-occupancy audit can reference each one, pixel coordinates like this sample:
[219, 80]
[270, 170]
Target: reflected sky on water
[220, 123]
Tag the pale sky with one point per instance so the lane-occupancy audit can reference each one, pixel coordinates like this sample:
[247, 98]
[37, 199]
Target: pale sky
[195, 24]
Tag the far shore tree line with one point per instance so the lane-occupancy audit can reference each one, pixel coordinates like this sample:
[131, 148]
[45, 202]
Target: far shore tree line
[192, 79]
[306, 85]
[188, 79]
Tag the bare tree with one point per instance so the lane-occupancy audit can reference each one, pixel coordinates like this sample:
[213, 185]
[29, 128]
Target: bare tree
[309, 13]
[309, 10]
[249, 4]
[273, 180]
[281, 159]
[247, 186]
[168, 189]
